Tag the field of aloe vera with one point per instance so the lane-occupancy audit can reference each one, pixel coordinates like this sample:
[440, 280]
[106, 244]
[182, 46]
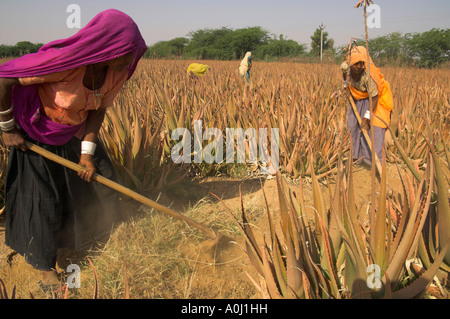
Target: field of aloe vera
[304, 101]
[305, 233]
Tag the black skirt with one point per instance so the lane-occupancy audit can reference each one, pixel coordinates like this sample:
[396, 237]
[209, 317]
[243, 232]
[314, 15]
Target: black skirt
[49, 206]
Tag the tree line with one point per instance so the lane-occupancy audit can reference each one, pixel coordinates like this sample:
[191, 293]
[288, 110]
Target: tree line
[428, 49]
[226, 44]
[19, 49]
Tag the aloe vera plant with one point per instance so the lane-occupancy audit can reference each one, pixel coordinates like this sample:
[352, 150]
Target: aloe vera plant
[301, 100]
[133, 134]
[4, 292]
[333, 256]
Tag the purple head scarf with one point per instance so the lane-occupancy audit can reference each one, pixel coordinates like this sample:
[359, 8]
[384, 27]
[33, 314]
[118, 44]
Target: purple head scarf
[110, 34]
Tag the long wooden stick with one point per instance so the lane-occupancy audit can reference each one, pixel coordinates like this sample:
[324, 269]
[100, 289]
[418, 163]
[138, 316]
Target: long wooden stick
[103, 180]
[366, 135]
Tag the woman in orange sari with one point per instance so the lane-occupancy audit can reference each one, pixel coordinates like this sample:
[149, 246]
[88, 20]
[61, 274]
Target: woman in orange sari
[360, 84]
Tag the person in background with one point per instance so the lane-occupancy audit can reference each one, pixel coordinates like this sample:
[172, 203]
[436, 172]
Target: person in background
[360, 83]
[245, 66]
[57, 99]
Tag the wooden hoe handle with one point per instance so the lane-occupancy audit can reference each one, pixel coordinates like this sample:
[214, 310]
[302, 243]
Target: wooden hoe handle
[122, 189]
[366, 135]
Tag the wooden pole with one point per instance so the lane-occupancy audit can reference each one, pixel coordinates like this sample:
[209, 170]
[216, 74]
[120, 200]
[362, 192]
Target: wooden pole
[122, 189]
[321, 41]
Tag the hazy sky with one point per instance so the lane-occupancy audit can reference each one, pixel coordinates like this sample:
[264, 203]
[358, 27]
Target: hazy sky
[45, 20]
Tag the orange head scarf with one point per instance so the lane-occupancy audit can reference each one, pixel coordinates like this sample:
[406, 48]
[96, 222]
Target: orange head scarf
[359, 54]
[385, 99]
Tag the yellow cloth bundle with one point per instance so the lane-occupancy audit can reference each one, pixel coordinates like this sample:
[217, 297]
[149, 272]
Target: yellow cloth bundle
[197, 69]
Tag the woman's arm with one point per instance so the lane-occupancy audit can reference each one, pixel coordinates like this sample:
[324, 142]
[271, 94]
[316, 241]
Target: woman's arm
[12, 137]
[365, 124]
[93, 124]
[6, 85]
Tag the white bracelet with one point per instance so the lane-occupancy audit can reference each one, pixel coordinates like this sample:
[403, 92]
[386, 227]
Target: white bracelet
[88, 147]
[367, 115]
[8, 125]
[7, 111]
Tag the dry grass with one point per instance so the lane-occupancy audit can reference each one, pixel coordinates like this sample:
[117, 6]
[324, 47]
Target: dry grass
[168, 259]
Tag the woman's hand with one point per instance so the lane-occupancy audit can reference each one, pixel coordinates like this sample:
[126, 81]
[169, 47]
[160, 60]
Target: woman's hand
[87, 162]
[93, 123]
[365, 124]
[15, 139]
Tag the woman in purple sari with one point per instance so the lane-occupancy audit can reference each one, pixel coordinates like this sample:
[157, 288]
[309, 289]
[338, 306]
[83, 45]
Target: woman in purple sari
[57, 98]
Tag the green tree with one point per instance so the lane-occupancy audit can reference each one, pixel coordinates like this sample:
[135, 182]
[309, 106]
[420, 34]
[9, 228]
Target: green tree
[26, 47]
[277, 48]
[225, 43]
[210, 44]
[167, 49]
[6, 51]
[390, 48]
[327, 44]
[19, 49]
[248, 39]
[429, 49]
